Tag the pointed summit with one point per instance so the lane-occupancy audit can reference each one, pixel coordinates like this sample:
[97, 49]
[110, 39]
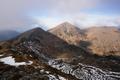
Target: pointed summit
[32, 34]
[66, 24]
[63, 26]
[35, 30]
[38, 35]
[67, 31]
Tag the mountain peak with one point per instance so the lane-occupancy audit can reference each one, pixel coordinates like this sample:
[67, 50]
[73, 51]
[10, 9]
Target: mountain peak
[32, 34]
[66, 25]
[37, 29]
[68, 32]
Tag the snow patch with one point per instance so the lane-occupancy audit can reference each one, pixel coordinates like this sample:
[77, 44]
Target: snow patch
[52, 77]
[1, 55]
[84, 72]
[42, 70]
[11, 61]
[47, 72]
[61, 78]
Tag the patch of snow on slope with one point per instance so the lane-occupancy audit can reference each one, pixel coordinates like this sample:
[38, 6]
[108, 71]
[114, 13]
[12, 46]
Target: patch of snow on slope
[1, 55]
[61, 78]
[52, 77]
[84, 72]
[11, 61]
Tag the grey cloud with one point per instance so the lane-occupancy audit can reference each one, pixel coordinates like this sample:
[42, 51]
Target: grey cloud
[14, 14]
[72, 6]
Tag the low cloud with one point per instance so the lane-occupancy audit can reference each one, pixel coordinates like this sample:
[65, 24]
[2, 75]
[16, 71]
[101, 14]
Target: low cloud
[24, 14]
[82, 21]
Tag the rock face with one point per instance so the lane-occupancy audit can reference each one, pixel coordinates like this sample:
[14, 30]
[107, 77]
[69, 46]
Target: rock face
[84, 72]
[40, 55]
[97, 40]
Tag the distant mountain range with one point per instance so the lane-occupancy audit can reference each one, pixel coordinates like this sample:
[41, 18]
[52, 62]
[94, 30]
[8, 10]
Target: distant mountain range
[62, 53]
[98, 40]
[7, 34]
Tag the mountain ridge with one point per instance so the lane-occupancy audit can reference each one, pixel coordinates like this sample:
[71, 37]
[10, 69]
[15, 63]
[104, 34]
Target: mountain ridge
[52, 58]
[90, 38]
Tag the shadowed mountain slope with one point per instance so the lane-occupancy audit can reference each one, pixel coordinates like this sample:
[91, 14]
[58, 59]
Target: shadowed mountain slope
[40, 41]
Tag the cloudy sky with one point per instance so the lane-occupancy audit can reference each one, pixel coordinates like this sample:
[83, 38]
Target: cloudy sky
[25, 14]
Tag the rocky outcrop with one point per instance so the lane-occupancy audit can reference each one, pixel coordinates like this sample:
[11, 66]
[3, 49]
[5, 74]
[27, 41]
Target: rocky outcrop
[84, 72]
